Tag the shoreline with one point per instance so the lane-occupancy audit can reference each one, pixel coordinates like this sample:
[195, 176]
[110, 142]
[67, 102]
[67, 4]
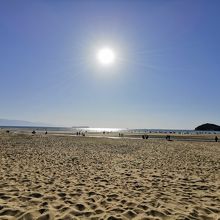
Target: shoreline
[125, 135]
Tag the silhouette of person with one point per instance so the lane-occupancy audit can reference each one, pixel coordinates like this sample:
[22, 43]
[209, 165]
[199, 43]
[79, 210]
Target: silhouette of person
[168, 137]
[216, 139]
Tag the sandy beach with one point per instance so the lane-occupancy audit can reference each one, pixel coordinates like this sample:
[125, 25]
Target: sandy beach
[59, 177]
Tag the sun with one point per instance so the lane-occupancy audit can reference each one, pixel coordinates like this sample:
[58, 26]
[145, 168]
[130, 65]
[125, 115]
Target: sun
[106, 56]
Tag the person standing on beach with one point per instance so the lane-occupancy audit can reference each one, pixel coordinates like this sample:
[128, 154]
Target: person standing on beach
[216, 139]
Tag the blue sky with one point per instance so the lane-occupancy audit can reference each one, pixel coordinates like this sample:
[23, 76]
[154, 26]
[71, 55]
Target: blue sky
[166, 72]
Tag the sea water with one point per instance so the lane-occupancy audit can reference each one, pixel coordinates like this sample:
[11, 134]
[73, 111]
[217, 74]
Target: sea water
[98, 130]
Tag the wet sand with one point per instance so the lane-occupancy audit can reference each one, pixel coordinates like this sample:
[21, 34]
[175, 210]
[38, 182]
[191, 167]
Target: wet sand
[63, 177]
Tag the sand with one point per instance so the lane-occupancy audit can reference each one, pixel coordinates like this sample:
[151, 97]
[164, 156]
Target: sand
[53, 177]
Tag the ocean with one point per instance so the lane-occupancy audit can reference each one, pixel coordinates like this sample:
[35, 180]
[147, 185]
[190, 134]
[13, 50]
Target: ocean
[98, 130]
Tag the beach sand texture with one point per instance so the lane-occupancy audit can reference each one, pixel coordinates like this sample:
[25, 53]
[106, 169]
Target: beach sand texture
[52, 177]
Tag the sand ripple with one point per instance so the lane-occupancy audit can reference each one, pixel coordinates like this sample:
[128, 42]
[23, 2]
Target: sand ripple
[52, 177]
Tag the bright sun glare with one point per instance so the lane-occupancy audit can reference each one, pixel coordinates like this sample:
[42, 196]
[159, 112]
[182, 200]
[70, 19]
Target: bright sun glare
[106, 56]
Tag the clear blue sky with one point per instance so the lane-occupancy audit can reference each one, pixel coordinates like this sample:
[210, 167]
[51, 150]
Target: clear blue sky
[166, 73]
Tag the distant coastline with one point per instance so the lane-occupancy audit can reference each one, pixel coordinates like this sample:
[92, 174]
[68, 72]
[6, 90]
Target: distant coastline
[12, 122]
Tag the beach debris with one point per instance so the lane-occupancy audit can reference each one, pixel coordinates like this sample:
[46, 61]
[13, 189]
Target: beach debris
[33, 132]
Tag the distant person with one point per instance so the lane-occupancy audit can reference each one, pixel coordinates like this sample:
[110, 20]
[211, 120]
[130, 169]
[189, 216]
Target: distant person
[168, 137]
[46, 132]
[143, 136]
[216, 139]
[146, 137]
[33, 132]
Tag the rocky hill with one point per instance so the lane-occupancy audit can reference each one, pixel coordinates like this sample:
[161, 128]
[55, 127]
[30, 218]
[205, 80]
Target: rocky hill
[208, 127]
